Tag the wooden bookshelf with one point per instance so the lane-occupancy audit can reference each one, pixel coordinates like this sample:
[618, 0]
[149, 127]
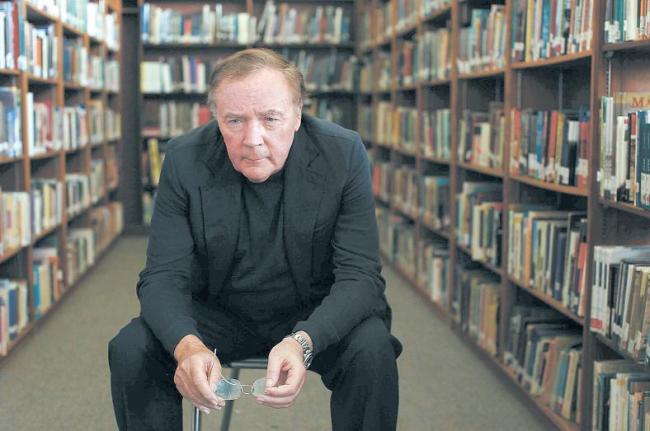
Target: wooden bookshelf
[211, 49]
[562, 82]
[53, 161]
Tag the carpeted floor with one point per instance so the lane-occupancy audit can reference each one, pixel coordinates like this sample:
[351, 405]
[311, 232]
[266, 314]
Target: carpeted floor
[57, 378]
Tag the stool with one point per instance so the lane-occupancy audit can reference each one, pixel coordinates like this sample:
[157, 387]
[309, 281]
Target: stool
[235, 366]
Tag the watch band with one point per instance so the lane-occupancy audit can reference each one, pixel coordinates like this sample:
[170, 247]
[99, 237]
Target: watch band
[307, 353]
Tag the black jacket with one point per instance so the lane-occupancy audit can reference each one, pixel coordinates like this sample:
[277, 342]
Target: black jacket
[330, 232]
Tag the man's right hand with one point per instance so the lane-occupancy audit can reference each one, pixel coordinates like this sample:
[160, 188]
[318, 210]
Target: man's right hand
[198, 371]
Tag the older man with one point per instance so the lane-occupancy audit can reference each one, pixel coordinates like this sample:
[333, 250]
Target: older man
[263, 242]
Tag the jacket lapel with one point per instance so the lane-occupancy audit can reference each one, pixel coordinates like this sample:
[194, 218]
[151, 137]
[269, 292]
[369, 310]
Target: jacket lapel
[304, 182]
[221, 204]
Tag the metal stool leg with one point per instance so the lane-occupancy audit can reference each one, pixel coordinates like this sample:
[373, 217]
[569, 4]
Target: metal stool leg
[197, 419]
[227, 411]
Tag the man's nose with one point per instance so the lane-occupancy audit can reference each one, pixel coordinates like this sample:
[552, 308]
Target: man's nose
[253, 133]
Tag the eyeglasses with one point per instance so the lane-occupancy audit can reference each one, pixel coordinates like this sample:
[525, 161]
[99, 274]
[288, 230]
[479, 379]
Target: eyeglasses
[233, 389]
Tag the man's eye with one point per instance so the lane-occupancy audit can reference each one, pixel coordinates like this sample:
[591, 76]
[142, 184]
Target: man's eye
[271, 119]
[234, 121]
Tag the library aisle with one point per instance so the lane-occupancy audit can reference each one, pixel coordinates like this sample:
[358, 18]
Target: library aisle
[58, 379]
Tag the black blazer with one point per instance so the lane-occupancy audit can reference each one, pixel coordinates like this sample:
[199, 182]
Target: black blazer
[330, 232]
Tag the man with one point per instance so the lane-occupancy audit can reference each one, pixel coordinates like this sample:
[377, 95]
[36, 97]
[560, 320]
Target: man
[263, 242]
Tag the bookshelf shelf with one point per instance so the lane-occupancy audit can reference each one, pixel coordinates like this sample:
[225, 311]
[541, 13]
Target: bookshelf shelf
[75, 150]
[193, 46]
[494, 172]
[613, 347]
[633, 45]
[69, 30]
[440, 232]
[557, 305]
[35, 14]
[407, 31]
[407, 87]
[569, 190]
[560, 60]
[37, 80]
[47, 155]
[333, 92]
[70, 86]
[382, 200]
[305, 45]
[8, 160]
[436, 83]
[622, 206]
[558, 421]
[442, 13]
[405, 213]
[46, 232]
[11, 253]
[441, 312]
[9, 72]
[436, 160]
[465, 249]
[492, 73]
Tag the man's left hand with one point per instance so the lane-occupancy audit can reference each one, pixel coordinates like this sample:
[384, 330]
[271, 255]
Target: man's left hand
[285, 375]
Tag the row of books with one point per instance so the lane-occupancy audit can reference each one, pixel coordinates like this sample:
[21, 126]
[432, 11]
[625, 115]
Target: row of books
[85, 244]
[152, 160]
[41, 50]
[433, 269]
[333, 71]
[625, 149]
[331, 109]
[478, 220]
[88, 70]
[405, 190]
[548, 28]
[48, 285]
[381, 23]
[169, 119]
[47, 204]
[619, 292]
[621, 396]
[11, 142]
[49, 128]
[406, 14]
[626, 20]
[435, 134]
[544, 352]
[188, 74]
[419, 196]
[483, 40]
[547, 252]
[482, 137]
[428, 58]
[475, 306]
[97, 179]
[321, 24]
[90, 17]
[551, 146]
[206, 25]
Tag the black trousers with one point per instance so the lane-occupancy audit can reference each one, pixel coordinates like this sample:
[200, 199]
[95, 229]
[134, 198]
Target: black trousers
[360, 370]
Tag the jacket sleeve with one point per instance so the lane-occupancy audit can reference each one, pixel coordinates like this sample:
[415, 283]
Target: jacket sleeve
[358, 288]
[163, 288]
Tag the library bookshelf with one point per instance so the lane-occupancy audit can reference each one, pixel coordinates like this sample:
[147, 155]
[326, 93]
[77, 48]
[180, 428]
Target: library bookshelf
[574, 81]
[60, 186]
[316, 35]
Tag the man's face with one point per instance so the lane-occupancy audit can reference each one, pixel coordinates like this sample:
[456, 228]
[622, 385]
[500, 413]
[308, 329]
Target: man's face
[257, 117]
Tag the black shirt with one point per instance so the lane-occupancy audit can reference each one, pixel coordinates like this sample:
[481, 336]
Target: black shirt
[261, 289]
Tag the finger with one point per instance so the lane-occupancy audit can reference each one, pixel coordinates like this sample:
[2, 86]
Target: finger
[203, 390]
[277, 403]
[214, 375]
[273, 370]
[293, 382]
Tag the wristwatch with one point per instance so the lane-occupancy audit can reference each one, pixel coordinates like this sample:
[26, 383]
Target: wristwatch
[307, 353]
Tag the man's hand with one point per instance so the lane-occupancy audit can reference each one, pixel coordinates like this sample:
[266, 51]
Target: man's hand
[285, 375]
[198, 371]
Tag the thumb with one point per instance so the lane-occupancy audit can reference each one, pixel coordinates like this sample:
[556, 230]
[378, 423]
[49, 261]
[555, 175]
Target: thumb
[273, 370]
[214, 373]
